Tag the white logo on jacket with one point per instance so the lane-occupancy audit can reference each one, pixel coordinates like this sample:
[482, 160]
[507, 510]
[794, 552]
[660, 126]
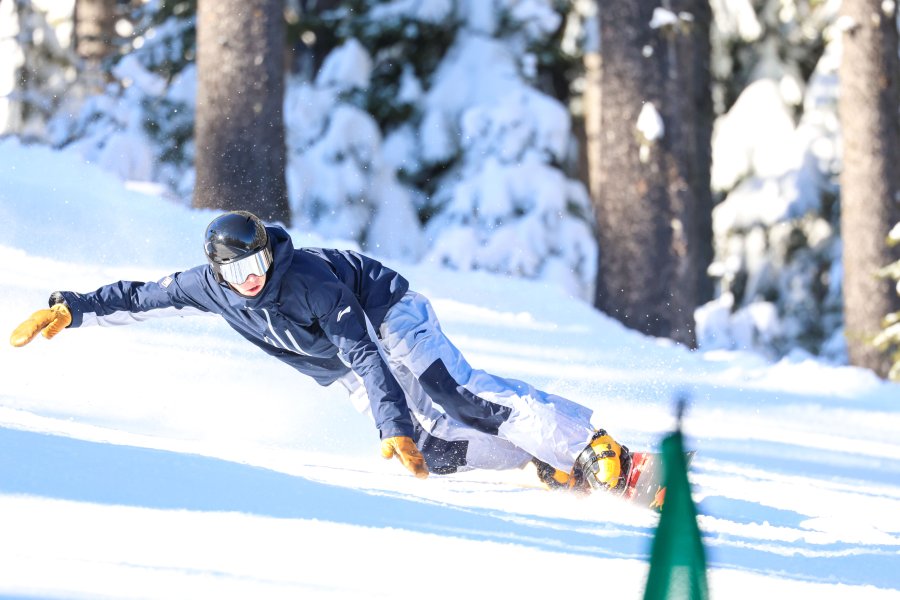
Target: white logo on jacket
[342, 313]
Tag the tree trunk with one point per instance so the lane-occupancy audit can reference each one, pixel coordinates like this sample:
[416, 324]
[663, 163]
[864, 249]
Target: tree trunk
[95, 31]
[239, 127]
[870, 179]
[654, 200]
[593, 68]
[95, 28]
[696, 57]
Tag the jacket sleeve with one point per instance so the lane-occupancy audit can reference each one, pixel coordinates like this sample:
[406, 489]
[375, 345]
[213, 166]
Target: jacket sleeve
[345, 323]
[126, 302]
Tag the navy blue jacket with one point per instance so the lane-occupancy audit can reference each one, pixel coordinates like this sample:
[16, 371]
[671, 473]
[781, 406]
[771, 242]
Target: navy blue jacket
[319, 311]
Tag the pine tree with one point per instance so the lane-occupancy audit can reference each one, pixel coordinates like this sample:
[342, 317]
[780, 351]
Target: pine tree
[465, 135]
[43, 64]
[775, 171]
[140, 125]
[888, 341]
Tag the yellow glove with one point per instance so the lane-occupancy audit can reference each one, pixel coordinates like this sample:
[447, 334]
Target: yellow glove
[50, 321]
[406, 451]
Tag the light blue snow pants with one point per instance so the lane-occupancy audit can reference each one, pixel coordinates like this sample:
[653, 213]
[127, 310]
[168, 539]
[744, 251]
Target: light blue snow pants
[466, 418]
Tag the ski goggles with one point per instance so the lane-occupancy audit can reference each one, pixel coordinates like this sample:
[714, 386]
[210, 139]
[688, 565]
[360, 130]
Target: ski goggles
[238, 271]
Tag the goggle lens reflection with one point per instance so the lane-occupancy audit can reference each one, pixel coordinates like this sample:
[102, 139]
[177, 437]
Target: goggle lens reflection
[238, 271]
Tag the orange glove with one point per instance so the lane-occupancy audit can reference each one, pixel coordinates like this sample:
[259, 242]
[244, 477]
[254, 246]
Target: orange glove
[49, 321]
[406, 451]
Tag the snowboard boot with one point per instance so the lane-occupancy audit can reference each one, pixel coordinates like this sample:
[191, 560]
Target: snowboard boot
[554, 479]
[604, 463]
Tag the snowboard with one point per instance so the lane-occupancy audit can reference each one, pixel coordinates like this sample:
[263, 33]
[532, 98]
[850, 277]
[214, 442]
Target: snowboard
[643, 484]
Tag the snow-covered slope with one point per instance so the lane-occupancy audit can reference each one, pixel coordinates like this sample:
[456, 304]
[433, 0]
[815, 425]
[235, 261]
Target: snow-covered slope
[172, 460]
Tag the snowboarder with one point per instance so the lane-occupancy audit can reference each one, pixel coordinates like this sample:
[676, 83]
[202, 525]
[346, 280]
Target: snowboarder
[339, 316]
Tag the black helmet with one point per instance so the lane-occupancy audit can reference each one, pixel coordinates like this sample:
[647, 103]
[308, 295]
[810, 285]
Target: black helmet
[237, 246]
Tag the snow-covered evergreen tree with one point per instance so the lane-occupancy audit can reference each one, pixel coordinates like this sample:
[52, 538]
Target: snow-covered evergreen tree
[141, 126]
[775, 160]
[339, 182]
[38, 67]
[505, 205]
[889, 339]
[473, 143]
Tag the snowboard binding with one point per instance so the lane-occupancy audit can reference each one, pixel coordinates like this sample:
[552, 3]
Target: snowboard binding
[588, 471]
[594, 467]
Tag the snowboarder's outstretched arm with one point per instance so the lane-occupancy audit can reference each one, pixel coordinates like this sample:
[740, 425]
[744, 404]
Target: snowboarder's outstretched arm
[119, 303]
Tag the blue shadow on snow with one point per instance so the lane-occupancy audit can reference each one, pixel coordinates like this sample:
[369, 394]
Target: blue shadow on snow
[69, 469]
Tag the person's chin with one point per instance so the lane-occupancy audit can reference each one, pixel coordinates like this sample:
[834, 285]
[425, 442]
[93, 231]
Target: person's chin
[248, 292]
